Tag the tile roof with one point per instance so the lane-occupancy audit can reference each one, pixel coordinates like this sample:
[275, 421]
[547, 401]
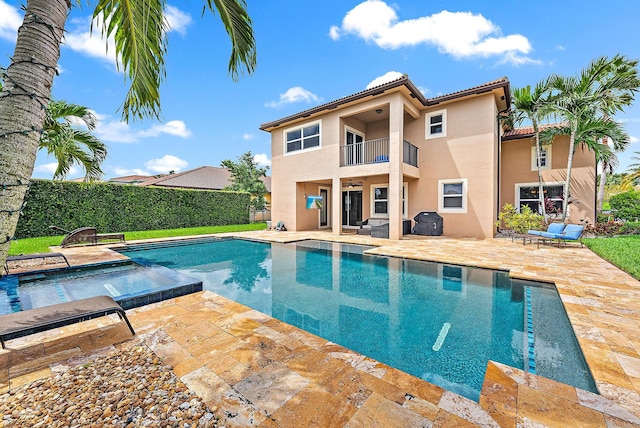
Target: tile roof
[401, 81]
[204, 178]
[525, 131]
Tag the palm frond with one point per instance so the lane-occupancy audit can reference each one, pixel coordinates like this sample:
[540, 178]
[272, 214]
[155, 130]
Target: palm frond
[139, 31]
[237, 24]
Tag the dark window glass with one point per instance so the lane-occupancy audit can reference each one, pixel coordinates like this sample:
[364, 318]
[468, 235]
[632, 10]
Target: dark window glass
[311, 130]
[312, 142]
[294, 145]
[380, 193]
[294, 135]
[453, 202]
[453, 189]
[380, 207]
[436, 119]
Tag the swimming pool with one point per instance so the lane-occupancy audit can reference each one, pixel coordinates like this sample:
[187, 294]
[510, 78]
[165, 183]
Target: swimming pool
[439, 322]
[130, 284]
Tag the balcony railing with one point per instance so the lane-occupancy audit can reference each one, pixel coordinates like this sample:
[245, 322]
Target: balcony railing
[367, 152]
[375, 151]
[409, 153]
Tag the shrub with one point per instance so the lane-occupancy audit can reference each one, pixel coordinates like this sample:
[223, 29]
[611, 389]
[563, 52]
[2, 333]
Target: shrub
[519, 222]
[630, 228]
[626, 206]
[604, 228]
[118, 208]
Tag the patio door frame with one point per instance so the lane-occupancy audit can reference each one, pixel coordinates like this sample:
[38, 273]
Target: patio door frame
[325, 192]
[347, 198]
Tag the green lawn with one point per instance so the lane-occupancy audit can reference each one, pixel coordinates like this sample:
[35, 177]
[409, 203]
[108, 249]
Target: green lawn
[42, 244]
[622, 251]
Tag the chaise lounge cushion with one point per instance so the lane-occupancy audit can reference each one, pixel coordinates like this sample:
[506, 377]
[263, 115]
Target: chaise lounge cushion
[554, 228]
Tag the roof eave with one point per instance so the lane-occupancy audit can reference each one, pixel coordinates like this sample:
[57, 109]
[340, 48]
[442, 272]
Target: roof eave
[378, 90]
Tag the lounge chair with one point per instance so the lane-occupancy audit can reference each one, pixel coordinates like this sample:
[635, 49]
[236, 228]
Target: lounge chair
[570, 232]
[32, 257]
[87, 235]
[24, 323]
[555, 228]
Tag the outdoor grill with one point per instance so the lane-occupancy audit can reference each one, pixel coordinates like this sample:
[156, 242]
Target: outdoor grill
[428, 223]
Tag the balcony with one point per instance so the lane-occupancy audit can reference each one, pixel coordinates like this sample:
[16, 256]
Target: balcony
[375, 151]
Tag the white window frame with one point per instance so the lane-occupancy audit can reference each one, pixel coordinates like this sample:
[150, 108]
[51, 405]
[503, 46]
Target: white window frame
[441, 195]
[405, 201]
[536, 184]
[301, 127]
[547, 158]
[427, 124]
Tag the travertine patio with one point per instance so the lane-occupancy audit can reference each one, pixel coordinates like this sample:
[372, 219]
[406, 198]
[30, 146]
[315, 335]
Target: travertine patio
[259, 371]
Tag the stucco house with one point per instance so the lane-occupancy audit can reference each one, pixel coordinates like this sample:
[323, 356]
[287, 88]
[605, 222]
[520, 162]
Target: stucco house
[390, 153]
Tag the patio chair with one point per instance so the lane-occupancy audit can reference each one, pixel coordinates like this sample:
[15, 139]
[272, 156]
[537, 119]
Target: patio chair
[555, 228]
[571, 232]
[87, 235]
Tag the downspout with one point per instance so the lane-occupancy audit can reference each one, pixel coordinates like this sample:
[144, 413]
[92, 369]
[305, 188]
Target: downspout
[499, 161]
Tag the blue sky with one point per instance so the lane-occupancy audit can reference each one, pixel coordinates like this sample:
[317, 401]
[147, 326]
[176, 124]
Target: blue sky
[314, 52]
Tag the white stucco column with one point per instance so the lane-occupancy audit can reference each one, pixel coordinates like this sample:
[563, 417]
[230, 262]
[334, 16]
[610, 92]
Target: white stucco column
[336, 205]
[396, 128]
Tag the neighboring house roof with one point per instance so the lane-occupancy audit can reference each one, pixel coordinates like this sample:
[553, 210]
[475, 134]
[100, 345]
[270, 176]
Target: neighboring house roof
[414, 92]
[204, 178]
[131, 179]
[525, 131]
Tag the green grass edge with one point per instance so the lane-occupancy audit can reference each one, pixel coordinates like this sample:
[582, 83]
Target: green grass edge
[620, 251]
[42, 244]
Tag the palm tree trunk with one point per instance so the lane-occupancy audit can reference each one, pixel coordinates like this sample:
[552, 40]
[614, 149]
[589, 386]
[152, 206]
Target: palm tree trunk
[23, 101]
[565, 200]
[601, 187]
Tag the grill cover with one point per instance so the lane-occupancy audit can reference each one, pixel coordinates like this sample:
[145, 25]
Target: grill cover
[428, 223]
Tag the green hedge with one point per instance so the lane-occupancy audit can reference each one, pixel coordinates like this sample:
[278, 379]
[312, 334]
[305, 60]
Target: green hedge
[120, 208]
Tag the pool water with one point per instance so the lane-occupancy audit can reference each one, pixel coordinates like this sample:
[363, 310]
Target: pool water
[130, 284]
[439, 322]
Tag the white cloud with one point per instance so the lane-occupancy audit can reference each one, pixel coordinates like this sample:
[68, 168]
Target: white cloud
[633, 139]
[81, 39]
[50, 168]
[173, 127]
[110, 129]
[247, 136]
[560, 48]
[459, 34]
[294, 95]
[334, 32]
[177, 19]
[123, 172]
[10, 20]
[385, 78]
[262, 159]
[166, 164]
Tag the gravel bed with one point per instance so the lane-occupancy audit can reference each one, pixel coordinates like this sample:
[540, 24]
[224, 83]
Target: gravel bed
[129, 388]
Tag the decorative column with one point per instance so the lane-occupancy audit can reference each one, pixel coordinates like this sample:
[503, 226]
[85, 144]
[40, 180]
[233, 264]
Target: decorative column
[396, 136]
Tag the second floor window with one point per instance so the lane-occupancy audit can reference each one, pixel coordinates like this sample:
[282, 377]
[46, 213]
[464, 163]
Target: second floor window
[436, 124]
[302, 138]
[545, 158]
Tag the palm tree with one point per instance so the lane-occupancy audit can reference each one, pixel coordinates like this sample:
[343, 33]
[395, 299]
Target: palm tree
[585, 102]
[139, 30]
[532, 106]
[66, 142]
[71, 145]
[608, 162]
[633, 175]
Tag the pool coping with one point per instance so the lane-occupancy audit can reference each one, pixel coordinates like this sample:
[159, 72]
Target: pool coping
[602, 303]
